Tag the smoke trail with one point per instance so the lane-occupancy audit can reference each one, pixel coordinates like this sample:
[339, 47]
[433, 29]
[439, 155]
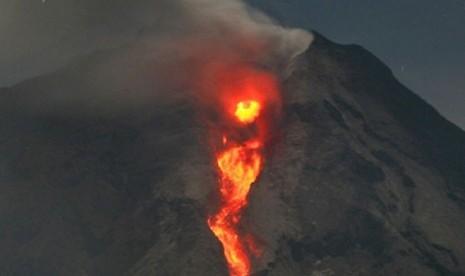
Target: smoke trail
[164, 50]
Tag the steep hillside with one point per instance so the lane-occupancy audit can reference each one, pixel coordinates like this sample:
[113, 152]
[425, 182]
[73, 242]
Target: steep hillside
[367, 178]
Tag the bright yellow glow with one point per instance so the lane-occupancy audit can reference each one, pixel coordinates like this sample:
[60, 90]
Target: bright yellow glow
[239, 166]
[247, 111]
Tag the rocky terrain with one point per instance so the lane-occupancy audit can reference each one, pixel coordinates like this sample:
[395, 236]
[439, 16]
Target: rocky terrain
[367, 179]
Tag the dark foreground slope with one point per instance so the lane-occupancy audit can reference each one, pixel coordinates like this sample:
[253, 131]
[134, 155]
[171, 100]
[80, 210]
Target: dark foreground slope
[367, 180]
[381, 174]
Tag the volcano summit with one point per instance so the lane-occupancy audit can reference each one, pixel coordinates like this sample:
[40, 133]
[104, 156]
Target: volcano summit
[364, 177]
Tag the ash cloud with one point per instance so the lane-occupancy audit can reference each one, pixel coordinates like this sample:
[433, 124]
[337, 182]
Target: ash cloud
[142, 51]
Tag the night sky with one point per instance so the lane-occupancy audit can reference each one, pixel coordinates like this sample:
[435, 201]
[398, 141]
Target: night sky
[422, 41]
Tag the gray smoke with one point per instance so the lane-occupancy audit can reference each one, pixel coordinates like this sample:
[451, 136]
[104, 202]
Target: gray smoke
[140, 50]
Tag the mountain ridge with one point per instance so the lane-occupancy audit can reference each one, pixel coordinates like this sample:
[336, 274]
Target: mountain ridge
[358, 184]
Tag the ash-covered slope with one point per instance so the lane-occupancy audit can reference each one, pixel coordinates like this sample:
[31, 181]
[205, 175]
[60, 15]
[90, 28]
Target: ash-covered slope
[374, 176]
[367, 179]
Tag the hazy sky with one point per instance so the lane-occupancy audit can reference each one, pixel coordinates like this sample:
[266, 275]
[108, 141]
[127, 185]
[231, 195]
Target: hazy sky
[422, 41]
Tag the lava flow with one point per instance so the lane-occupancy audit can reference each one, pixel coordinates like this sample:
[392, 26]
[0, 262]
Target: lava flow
[239, 166]
[247, 105]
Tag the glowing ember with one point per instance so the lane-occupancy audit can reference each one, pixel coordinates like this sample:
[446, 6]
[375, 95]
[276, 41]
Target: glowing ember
[247, 111]
[239, 166]
[248, 106]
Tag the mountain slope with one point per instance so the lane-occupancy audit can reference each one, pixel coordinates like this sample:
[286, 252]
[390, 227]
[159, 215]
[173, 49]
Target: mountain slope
[367, 179]
[381, 173]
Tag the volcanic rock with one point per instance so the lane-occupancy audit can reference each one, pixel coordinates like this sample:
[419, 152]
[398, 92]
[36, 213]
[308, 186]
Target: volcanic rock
[366, 179]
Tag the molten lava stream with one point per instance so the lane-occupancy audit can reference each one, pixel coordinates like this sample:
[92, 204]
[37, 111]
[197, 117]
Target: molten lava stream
[239, 165]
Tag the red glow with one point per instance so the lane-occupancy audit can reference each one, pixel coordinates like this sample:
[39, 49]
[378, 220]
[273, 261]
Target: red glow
[246, 97]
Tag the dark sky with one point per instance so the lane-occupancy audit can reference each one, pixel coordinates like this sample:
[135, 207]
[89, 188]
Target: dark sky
[422, 41]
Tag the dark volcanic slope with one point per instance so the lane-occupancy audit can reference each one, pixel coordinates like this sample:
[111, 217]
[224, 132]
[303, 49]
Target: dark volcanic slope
[381, 182]
[367, 180]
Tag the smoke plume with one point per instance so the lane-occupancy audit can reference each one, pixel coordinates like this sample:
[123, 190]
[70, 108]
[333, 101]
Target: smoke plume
[153, 51]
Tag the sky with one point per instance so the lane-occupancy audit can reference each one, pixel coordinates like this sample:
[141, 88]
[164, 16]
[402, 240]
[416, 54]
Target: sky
[422, 41]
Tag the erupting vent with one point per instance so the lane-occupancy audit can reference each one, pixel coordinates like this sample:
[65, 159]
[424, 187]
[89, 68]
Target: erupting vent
[247, 111]
[239, 160]
[239, 166]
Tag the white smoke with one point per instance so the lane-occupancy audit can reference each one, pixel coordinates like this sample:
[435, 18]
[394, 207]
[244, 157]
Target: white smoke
[233, 19]
[157, 48]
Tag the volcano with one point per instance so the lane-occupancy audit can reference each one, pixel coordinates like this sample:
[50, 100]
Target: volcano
[365, 179]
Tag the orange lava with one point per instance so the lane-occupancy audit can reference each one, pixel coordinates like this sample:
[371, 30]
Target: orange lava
[239, 166]
[242, 106]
